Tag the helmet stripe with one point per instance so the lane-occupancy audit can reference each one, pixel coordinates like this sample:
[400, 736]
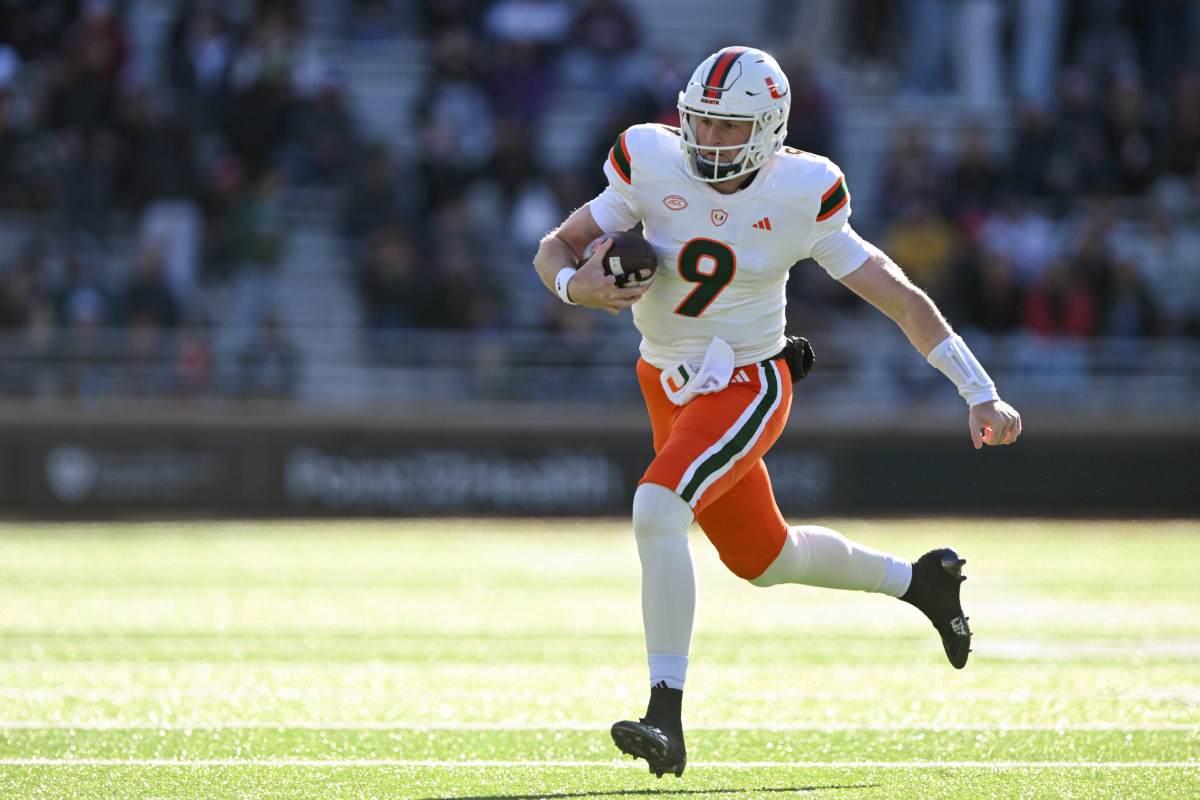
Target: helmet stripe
[714, 82]
[618, 156]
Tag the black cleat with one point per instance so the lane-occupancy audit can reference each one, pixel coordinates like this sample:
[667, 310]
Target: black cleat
[934, 591]
[662, 749]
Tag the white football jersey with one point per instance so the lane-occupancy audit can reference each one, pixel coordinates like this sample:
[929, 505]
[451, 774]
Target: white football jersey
[723, 258]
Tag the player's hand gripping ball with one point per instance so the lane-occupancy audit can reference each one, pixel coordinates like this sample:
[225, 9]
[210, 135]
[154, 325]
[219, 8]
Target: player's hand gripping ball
[630, 259]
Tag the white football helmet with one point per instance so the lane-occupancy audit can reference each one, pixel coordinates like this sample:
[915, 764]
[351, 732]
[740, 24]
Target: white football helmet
[736, 83]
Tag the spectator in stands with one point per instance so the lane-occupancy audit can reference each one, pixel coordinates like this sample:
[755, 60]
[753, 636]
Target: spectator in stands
[266, 75]
[1037, 50]
[1082, 162]
[327, 145]
[812, 119]
[1097, 34]
[810, 28]
[81, 300]
[148, 299]
[258, 235]
[1020, 232]
[458, 129]
[911, 172]
[36, 29]
[268, 366]
[1133, 131]
[1180, 148]
[81, 99]
[24, 304]
[929, 246]
[84, 310]
[655, 95]
[990, 296]
[1090, 246]
[437, 16]
[925, 64]
[1060, 303]
[371, 21]
[1033, 163]
[1129, 310]
[1169, 45]
[393, 281]
[162, 185]
[603, 52]
[374, 197]
[520, 79]
[143, 367]
[877, 38]
[515, 163]
[976, 44]
[98, 47]
[974, 181]
[1167, 253]
[525, 39]
[543, 24]
[223, 180]
[193, 358]
[543, 202]
[466, 294]
[12, 138]
[197, 55]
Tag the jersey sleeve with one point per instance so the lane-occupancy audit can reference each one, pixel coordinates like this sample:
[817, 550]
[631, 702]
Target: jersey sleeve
[835, 245]
[615, 209]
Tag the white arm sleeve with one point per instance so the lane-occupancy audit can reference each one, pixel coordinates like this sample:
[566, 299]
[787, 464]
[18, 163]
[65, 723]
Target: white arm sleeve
[840, 251]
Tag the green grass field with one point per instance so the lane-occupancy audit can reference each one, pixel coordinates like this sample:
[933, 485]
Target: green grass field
[484, 659]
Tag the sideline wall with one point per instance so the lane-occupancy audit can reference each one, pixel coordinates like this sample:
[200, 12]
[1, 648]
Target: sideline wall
[167, 470]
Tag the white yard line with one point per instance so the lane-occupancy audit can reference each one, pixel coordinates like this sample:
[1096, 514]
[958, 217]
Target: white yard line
[385, 762]
[557, 726]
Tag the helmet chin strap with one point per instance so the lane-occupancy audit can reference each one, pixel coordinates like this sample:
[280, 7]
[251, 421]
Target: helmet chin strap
[715, 169]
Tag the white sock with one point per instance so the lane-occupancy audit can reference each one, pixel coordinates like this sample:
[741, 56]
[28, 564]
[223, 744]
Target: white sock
[817, 556]
[670, 670]
[660, 523]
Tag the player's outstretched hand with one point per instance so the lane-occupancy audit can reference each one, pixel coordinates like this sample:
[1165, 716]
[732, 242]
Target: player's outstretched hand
[591, 286]
[994, 422]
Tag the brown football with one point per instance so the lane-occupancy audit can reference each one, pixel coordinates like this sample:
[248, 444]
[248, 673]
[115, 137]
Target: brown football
[630, 260]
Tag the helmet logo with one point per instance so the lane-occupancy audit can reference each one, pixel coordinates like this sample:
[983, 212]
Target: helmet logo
[719, 217]
[675, 202]
[774, 90]
[722, 76]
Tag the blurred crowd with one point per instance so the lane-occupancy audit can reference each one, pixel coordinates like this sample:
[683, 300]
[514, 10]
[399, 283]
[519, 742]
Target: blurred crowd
[1066, 206]
[1084, 222]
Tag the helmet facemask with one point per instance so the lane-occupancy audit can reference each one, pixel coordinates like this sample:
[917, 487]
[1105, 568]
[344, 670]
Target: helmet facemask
[745, 157]
[738, 84]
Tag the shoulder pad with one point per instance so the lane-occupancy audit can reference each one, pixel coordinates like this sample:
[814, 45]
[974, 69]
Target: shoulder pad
[620, 156]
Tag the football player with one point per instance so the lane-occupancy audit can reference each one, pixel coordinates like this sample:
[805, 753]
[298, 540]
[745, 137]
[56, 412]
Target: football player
[728, 210]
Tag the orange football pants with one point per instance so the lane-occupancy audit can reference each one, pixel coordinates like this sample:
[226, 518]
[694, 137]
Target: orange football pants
[710, 453]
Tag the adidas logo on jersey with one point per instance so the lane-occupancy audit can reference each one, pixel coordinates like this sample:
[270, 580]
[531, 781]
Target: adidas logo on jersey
[763, 224]
[740, 377]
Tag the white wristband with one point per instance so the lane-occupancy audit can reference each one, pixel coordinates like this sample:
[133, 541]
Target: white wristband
[560, 284]
[956, 361]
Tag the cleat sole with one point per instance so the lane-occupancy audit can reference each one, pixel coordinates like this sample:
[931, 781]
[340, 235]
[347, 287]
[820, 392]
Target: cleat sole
[632, 740]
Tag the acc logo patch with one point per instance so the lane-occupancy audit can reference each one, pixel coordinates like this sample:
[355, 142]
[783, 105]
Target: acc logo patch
[719, 217]
[675, 202]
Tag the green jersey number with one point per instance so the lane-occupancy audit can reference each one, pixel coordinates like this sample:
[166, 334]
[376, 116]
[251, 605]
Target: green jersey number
[708, 264]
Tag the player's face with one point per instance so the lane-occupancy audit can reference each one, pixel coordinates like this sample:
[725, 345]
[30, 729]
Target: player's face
[722, 133]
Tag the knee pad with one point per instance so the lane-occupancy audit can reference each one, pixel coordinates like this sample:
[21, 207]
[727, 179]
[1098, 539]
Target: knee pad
[657, 511]
[790, 565]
